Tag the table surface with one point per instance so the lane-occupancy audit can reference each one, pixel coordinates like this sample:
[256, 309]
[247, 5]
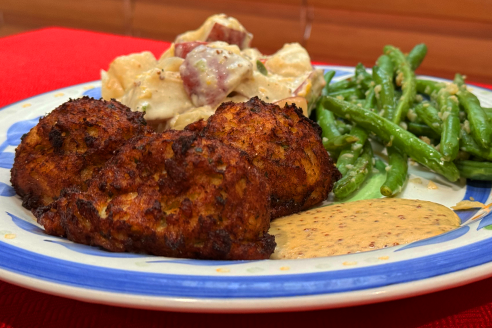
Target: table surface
[39, 61]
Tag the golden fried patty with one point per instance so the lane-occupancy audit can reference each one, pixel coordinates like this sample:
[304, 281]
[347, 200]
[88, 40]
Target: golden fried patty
[170, 194]
[284, 145]
[67, 145]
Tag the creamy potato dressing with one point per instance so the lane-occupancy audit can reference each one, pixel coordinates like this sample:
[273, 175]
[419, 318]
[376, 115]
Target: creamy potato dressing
[359, 226]
[201, 70]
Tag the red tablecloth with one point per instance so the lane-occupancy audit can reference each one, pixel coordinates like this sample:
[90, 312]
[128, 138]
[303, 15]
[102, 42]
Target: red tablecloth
[48, 59]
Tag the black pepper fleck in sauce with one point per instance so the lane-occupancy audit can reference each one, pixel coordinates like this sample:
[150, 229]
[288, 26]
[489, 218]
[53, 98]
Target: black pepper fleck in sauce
[359, 226]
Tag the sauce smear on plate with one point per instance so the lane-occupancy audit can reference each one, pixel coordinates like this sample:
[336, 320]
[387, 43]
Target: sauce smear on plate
[359, 226]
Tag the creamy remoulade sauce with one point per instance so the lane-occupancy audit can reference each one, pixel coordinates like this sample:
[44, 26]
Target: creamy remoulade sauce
[359, 226]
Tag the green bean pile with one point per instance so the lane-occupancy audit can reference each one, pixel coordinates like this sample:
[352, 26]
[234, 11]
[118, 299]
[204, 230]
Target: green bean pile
[450, 133]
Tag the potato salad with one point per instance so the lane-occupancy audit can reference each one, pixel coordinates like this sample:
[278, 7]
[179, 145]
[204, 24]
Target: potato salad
[206, 67]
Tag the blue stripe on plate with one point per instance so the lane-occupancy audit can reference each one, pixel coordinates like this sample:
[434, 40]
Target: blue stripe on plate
[477, 190]
[486, 221]
[340, 72]
[451, 235]
[6, 190]
[75, 274]
[94, 93]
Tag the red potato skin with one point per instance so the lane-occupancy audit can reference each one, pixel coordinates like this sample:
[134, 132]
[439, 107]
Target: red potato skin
[206, 74]
[220, 32]
[172, 194]
[182, 49]
[283, 144]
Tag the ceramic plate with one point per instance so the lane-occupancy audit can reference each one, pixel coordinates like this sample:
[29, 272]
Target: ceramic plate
[32, 259]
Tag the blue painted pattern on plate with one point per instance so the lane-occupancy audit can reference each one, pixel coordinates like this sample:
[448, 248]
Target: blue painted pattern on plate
[6, 190]
[448, 236]
[6, 160]
[486, 220]
[89, 250]
[94, 93]
[478, 191]
[14, 134]
[201, 262]
[340, 73]
[27, 226]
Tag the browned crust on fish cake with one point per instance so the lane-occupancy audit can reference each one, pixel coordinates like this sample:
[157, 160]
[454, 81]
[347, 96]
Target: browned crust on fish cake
[170, 194]
[68, 145]
[283, 144]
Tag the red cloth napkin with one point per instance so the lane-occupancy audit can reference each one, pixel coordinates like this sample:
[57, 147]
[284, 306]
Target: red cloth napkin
[48, 59]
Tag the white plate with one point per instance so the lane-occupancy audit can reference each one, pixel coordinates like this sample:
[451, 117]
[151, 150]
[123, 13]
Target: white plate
[34, 260]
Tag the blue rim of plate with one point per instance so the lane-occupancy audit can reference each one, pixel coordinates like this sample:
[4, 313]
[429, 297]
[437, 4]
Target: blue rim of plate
[68, 273]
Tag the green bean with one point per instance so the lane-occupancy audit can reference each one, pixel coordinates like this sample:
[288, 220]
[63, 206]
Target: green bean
[383, 76]
[340, 142]
[475, 170]
[396, 174]
[398, 95]
[481, 129]
[341, 85]
[380, 165]
[408, 87]
[429, 87]
[394, 135]
[385, 64]
[362, 78]
[349, 156]
[423, 130]
[412, 115]
[362, 102]
[326, 121]
[417, 55]
[342, 127]
[386, 94]
[459, 80]
[488, 112]
[430, 116]
[370, 99]
[463, 116]
[356, 175]
[450, 137]
[470, 146]
[328, 77]
[350, 93]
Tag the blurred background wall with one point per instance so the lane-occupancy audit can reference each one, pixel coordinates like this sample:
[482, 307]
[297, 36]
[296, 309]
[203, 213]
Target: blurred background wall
[457, 32]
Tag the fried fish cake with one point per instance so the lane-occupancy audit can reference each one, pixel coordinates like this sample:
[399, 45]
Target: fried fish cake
[170, 194]
[284, 145]
[68, 145]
